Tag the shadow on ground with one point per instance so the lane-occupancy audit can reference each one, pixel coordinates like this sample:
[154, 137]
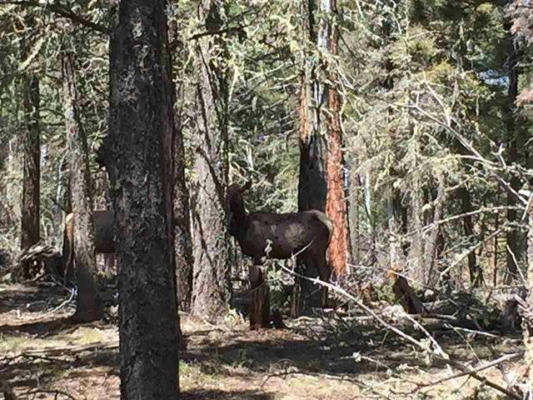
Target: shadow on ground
[31, 368]
[342, 352]
[345, 354]
[223, 395]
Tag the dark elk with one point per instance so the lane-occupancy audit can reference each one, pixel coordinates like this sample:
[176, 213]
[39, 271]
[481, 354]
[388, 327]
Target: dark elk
[282, 236]
[103, 237]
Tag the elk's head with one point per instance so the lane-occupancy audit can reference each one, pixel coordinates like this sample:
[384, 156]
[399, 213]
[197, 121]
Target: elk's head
[235, 212]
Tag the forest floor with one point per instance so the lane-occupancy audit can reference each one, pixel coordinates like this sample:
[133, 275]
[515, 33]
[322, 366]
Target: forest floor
[43, 356]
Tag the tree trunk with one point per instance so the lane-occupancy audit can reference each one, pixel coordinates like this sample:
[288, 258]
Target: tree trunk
[418, 270]
[397, 223]
[211, 269]
[353, 214]
[312, 186]
[13, 191]
[495, 252]
[30, 234]
[527, 317]
[476, 277]
[182, 241]
[434, 241]
[88, 306]
[512, 237]
[335, 202]
[139, 155]
[260, 299]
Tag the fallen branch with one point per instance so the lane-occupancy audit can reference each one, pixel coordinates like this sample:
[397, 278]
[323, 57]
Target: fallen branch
[72, 349]
[466, 371]
[473, 373]
[437, 351]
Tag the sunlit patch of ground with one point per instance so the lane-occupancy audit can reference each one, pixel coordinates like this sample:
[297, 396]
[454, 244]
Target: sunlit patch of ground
[43, 356]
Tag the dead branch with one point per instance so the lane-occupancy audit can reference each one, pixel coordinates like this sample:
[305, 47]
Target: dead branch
[481, 210]
[490, 166]
[437, 351]
[466, 372]
[473, 373]
[465, 253]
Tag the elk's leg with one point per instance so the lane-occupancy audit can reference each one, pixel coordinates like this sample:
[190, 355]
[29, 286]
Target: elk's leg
[260, 302]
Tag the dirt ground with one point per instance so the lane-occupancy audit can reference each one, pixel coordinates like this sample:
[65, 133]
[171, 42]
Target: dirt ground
[43, 356]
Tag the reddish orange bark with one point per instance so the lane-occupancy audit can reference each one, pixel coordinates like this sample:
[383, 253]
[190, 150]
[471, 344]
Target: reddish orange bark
[335, 204]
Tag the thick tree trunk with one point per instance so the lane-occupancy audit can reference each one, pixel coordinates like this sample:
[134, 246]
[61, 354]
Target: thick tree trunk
[210, 251]
[335, 202]
[88, 306]
[182, 219]
[182, 241]
[30, 234]
[139, 155]
[312, 186]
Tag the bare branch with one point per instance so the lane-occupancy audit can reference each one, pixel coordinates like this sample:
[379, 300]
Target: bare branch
[467, 145]
[471, 372]
[437, 350]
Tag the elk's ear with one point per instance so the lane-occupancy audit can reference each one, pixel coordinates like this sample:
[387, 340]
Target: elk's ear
[246, 186]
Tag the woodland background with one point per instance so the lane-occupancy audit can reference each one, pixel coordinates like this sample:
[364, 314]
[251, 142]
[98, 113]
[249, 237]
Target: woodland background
[407, 122]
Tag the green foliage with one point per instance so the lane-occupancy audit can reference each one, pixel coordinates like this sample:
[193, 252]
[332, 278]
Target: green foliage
[409, 73]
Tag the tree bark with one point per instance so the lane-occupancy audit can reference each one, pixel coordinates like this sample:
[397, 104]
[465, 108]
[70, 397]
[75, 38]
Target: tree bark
[512, 237]
[335, 199]
[418, 270]
[139, 155]
[182, 241]
[260, 298]
[476, 276]
[88, 306]
[312, 185]
[434, 241]
[210, 251]
[183, 238]
[30, 233]
[353, 214]
[397, 225]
